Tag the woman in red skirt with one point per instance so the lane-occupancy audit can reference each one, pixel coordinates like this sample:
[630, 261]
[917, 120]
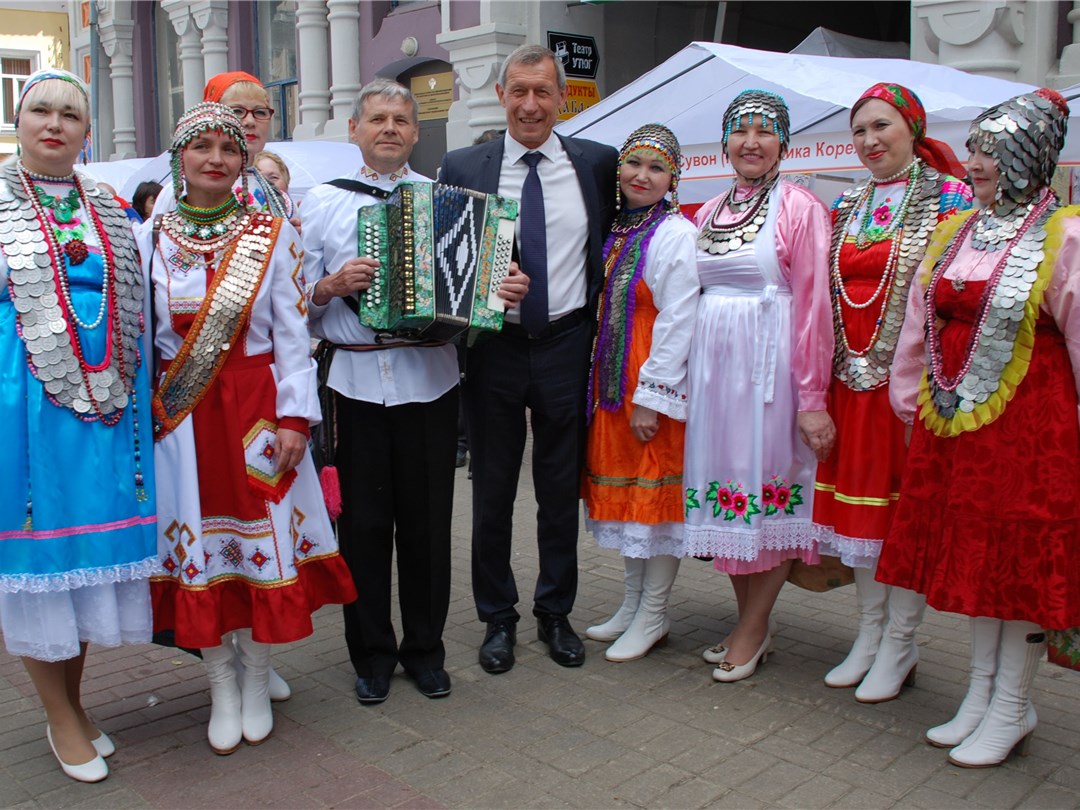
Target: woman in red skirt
[988, 367]
[245, 547]
[880, 232]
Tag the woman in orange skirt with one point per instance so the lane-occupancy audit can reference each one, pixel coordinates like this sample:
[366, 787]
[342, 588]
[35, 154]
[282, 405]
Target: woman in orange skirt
[637, 390]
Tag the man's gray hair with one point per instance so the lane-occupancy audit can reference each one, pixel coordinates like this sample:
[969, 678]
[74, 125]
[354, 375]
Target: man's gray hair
[532, 55]
[388, 88]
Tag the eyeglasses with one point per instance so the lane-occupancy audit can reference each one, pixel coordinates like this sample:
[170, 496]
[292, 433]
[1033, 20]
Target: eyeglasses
[259, 113]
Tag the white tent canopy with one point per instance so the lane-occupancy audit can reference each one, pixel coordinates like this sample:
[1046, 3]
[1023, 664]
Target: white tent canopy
[823, 42]
[690, 91]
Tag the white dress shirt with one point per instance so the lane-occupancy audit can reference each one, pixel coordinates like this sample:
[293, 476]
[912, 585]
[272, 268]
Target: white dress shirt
[388, 376]
[566, 218]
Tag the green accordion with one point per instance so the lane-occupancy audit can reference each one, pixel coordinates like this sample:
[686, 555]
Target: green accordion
[443, 251]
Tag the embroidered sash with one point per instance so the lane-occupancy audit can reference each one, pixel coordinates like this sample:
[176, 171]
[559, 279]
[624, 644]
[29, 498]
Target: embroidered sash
[223, 315]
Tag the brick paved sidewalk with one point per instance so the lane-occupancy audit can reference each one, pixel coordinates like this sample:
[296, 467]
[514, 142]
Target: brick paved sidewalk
[651, 733]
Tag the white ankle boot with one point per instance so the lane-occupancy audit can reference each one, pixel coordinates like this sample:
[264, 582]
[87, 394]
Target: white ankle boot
[985, 637]
[633, 575]
[1011, 718]
[256, 716]
[871, 596]
[224, 731]
[896, 659]
[650, 624]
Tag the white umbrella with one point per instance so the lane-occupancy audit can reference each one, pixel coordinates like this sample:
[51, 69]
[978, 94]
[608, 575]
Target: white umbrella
[309, 162]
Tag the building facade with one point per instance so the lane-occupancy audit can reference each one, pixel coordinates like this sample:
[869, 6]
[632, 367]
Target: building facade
[32, 36]
[148, 60]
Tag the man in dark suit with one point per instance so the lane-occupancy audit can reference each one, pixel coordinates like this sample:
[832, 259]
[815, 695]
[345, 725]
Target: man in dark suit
[540, 361]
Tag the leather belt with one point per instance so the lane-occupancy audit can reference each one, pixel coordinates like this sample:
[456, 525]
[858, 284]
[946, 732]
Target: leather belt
[553, 329]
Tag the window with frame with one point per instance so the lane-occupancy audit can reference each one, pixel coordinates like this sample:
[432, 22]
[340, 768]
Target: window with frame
[276, 45]
[14, 70]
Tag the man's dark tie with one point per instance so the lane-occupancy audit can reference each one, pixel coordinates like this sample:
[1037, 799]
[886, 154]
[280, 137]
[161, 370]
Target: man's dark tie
[533, 249]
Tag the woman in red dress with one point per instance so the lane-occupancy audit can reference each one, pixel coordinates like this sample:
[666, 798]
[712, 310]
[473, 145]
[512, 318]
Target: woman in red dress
[988, 368]
[246, 552]
[880, 232]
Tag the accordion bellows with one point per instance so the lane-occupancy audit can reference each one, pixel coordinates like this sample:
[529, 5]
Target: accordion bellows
[443, 251]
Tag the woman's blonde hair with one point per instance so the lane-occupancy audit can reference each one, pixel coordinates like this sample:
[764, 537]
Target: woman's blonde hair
[277, 161]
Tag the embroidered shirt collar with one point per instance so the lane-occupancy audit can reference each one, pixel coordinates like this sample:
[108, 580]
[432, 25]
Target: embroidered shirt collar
[552, 148]
[387, 181]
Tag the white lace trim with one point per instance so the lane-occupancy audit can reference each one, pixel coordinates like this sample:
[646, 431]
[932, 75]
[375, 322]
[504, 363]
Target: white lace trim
[854, 552]
[638, 540]
[82, 578]
[746, 544]
[670, 404]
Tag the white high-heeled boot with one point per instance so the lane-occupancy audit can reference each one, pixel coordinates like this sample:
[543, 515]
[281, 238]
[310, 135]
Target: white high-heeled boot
[985, 637]
[633, 575]
[1011, 717]
[896, 659]
[256, 716]
[224, 731]
[650, 625]
[872, 597]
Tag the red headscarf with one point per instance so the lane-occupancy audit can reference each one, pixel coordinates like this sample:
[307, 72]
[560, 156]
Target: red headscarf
[935, 153]
[216, 87]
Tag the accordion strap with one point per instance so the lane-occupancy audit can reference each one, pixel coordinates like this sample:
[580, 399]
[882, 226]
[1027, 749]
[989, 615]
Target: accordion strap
[360, 188]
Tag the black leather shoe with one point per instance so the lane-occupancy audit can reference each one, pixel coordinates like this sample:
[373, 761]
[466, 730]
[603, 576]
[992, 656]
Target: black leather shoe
[497, 651]
[461, 458]
[432, 683]
[372, 690]
[564, 646]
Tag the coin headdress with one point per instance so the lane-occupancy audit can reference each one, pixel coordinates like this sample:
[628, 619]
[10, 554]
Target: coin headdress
[772, 112]
[1024, 136]
[206, 116]
[663, 142]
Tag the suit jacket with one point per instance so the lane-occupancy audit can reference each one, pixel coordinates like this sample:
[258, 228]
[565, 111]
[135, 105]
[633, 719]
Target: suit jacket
[478, 167]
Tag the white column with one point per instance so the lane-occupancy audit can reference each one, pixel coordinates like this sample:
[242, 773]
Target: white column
[116, 41]
[212, 18]
[191, 58]
[314, 69]
[1068, 72]
[344, 19]
[1007, 39]
[477, 53]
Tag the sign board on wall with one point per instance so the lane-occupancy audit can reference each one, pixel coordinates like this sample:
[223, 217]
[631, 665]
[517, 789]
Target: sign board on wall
[434, 94]
[577, 53]
[580, 95]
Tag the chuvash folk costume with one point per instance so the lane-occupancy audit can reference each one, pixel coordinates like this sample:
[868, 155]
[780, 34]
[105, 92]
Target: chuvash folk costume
[244, 542]
[988, 367]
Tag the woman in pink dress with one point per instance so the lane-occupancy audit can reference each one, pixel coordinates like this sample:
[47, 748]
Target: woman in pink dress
[760, 362]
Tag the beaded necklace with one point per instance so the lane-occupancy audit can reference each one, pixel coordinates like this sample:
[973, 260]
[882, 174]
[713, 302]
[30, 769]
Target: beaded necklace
[63, 208]
[627, 221]
[71, 250]
[997, 313]
[719, 238]
[867, 237]
[866, 201]
[206, 230]
[867, 367]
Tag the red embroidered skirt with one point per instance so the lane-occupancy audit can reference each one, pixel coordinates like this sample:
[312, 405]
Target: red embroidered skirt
[248, 551]
[988, 522]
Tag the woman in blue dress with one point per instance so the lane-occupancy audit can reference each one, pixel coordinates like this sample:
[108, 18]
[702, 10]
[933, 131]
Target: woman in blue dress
[77, 520]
